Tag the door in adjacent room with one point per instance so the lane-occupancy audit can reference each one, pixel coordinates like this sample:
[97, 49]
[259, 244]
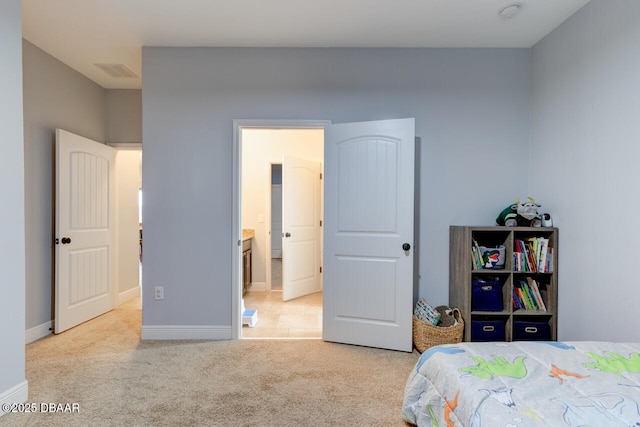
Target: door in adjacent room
[300, 227]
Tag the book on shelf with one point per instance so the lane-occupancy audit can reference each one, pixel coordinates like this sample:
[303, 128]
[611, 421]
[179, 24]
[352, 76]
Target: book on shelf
[532, 254]
[531, 301]
[542, 257]
[527, 296]
[517, 302]
[522, 254]
[523, 301]
[533, 250]
[536, 292]
[476, 256]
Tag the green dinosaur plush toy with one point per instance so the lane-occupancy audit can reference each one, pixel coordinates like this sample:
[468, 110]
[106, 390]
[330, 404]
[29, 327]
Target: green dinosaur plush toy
[522, 214]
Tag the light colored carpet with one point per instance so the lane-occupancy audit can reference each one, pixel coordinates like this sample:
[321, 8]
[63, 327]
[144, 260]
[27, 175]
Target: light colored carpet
[116, 380]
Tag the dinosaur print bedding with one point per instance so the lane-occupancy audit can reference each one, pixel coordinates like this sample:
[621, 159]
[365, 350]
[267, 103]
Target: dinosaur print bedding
[521, 384]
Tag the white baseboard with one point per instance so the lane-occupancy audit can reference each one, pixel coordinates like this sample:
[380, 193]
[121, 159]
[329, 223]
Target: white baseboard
[16, 394]
[128, 294]
[174, 332]
[37, 332]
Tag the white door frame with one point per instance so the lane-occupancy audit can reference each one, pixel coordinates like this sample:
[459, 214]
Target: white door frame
[236, 208]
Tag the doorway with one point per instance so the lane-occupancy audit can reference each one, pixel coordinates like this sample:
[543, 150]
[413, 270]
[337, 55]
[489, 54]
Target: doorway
[369, 169]
[129, 219]
[260, 152]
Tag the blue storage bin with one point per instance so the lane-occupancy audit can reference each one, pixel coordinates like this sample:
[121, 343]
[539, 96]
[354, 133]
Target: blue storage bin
[486, 294]
[531, 331]
[487, 330]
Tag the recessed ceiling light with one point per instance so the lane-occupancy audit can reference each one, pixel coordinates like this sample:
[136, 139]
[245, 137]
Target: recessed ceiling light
[510, 11]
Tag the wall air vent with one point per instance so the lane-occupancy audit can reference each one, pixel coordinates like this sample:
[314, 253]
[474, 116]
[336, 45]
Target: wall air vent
[117, 71]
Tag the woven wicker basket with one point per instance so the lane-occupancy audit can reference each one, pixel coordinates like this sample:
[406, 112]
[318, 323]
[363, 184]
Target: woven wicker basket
[426, 335]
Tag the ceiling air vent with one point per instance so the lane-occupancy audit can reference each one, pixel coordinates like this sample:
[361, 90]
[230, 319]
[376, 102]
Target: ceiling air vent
[117, 71]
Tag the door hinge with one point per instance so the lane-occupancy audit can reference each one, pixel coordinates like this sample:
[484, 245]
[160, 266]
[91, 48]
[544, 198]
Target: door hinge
[320, 175]
[320, 269]
[320, 223]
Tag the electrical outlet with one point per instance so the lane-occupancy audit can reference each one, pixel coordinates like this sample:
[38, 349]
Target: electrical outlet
[159, 292]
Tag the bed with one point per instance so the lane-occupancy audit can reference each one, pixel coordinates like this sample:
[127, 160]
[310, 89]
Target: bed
[519, 384]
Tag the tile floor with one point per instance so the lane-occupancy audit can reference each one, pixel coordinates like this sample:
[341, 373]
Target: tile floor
[276, 274]
[298, 318]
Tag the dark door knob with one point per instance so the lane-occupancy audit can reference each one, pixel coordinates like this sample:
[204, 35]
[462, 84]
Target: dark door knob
[406, 247]
[287, 234]
[66, 240]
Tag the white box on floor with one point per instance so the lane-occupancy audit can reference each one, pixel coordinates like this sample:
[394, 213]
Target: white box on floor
[250, 317]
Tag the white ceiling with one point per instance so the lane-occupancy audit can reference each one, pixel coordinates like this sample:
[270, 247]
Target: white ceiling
[81, 33]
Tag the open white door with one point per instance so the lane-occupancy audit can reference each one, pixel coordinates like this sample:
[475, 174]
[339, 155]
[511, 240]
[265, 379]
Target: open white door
[300, 227]
[84, 232]
[368, 271]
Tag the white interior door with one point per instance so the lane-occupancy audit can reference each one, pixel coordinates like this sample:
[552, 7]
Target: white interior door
[300, 227]
[84, 235]
[368, 275]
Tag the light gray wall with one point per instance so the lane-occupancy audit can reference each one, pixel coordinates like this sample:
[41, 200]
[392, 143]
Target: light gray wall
[55, 96]
[13, 385]
[124, 116]
[584, 164]
[472, 115]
